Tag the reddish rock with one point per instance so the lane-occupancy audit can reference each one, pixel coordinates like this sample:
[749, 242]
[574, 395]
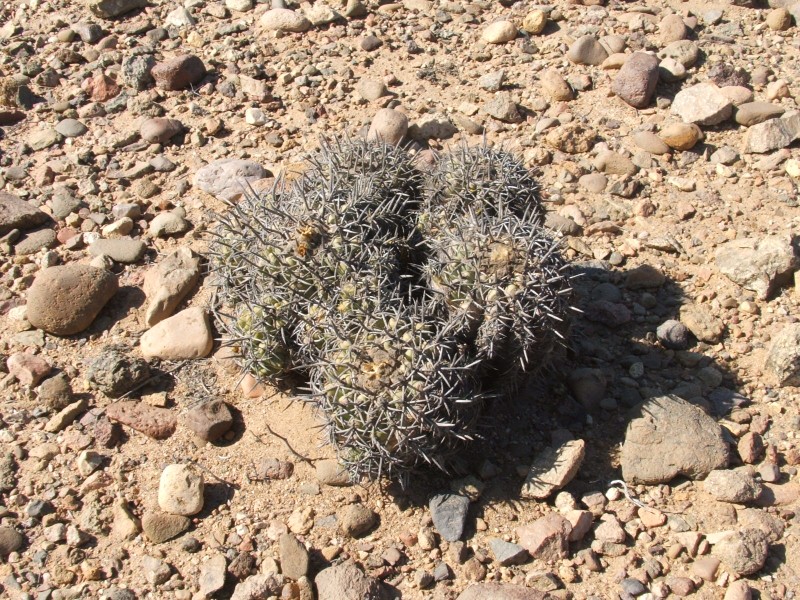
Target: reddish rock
[750, 448]
[160, 130]
[179, 73]
[157, 423]
[636, 81]
[546, 538]
[101, 87]
[28, 369]
[210, 421]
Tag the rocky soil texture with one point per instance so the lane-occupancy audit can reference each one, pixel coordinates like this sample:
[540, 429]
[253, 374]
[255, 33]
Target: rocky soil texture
[137, 462]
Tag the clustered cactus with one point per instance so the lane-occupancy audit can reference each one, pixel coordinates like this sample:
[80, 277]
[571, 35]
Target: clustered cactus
[406, 300]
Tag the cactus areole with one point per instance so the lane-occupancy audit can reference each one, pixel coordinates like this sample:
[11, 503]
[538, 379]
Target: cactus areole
[406, 300]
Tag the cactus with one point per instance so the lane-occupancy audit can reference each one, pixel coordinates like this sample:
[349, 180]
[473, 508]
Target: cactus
[405, 302]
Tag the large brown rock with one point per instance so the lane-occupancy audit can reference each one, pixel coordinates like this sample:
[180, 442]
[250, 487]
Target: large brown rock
[179, 73]
[668, 436]
[154, 422]
[64, 300]
[637, 79]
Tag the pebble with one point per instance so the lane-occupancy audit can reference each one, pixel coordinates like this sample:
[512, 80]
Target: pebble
[71, 128]
[685, 52]
[121, 250]
[503, 108]
[161, 527]
[673, 335]
[671, 71]
[179, 73]
[449, 513]
[681, 136]
[703, 104]
[115, 372]
[650, 142]
[738, 590]
[294, 557]
[660, 441]
[779, 19]
[152, 421]
[186, 335]
[371, 89]
[284, 20]
[555, 86]
[614, 163]
[11, 540]
[330, 472]
[210, 420]
[227, 178]
[587, 50]
[34, 241]
[535, 22]
[737, 487]
[499, 32]
[160, 130]
[672, 29]
[240, 6]
[388, 125]
[28, 369]
[507, 554]
[637, 79]
[633, 587]
[356, 520]
[553, 469]
[180, 490]
[65, 300]
[56, 392]
[167, 224]
[547, 538]
[593, 182]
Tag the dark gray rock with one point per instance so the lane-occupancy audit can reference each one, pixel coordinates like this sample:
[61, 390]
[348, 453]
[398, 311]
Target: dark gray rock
[449, 513]
[116, 371]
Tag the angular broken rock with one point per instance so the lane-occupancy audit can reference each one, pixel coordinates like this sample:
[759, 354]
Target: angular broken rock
[703, 104]
[734, 486]
[449, 511]
[668, 437]
[227, 178]
[773, 134]
[546, 538]
[154, 422]
[758, 264]
[166, 284]
[16, 213]
[553, 469]
[705, 326]
[184, 336]
[783, 359]
[743, 552]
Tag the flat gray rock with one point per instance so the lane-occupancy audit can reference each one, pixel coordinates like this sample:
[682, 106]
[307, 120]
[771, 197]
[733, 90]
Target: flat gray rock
[668, 436]
[449, 512]
[16, 213]
[121, 250]
[772, 134]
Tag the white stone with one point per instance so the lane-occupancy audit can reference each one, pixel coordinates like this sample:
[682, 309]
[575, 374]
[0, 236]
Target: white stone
[185, 335]
[180, 490]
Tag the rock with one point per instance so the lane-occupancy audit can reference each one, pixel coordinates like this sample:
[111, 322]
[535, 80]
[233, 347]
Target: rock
[136, 72]
[152, 421]
[71, 128]
[553, 469]
[614, 163]
[388, 125]
[186, 335]
[115, 372]
[547, 538]
[28, 369]
[294, 557]
[685, 52]
[259, 587]
[101, 88]
[535, 22]
[42, 139]
[355, 520]
[492, 81]
[587, 50]
[738, 590]
[56, 392]
[227, 178]
[210, 420]
[284, 20]
[346, 581]
[35, 241]
[702, 104]
[500, 591]
[166, 224]
[371, 89]
[16, 213]
[160, 130]
[758, 264]
[668, 437]
[672, 29]
[772, 134]
[321, 14]
[588, 386]
[65, 300]
[783, 359]
[110, 9]
[449, 513]
[737, 487]
[180, 490]
[212, 575]
[330, 472]
[430, 126]
[125, 526]
[572, 138]
[593, 182]
[65, 416]
[499, 32]
[156, 571]
[753, 113]
[121, 250]
[161, 527]
[779, 19]
[11, 540]
[637, 79]
[555, 86]
[506, 553]
[702, 323]
[673, 335]
[742, 552]
[179, 73]
[503, 108]
[681, 136]
[644, 277]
